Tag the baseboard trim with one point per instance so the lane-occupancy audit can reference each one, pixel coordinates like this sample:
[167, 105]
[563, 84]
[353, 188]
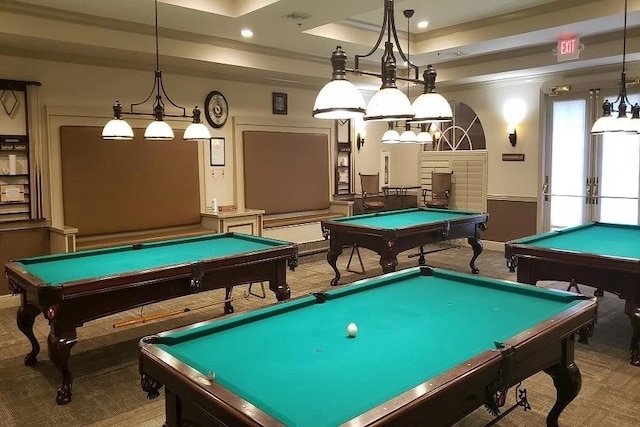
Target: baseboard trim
[9, 301]
[493, 245]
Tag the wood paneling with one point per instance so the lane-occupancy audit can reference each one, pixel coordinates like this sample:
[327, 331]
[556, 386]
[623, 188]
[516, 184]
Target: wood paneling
[509, 219]
[23, 243]
[121, 186]
[286, 172]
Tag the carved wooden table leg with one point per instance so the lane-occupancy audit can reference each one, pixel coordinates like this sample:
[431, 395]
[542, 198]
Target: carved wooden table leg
[25, 318]
[633, 312]
[59, 351]
[567, 381]
[389, 258]
[476, 244]
[332, 259]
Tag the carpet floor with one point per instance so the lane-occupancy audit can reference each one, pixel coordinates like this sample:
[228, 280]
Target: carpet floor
[104, 362]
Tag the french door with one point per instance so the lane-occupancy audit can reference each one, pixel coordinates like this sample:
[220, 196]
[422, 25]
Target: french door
[588, 178]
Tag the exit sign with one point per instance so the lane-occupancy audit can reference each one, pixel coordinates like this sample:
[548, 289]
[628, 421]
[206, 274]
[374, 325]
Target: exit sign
[568, 48]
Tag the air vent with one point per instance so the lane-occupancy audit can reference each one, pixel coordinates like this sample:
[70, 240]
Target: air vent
[297, 16]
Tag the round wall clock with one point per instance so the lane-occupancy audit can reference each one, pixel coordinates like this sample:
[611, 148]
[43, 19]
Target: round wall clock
[216, 109]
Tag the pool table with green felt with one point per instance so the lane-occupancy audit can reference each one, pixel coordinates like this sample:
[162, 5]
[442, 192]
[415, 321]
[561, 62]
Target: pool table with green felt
[71, 289]
[391, 232]
[425, 353]
[605, 256]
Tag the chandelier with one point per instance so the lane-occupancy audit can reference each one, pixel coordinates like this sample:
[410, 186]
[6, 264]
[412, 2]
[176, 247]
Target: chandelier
[622, 122]
[340, 99]
[158, 129]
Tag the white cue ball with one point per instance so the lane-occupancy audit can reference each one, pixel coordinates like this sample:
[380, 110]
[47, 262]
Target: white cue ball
[352, 330]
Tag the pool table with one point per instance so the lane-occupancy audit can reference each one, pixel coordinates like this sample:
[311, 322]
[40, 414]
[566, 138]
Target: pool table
[391, 232]
[431, 347]
[605, 256]
[71, 289]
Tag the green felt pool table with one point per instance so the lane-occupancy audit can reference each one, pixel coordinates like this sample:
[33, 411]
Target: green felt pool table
[431, 347]
[391, 232]
[605, 256]
[71, 289]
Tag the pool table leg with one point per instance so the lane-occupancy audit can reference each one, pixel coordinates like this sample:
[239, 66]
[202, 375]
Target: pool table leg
[633, 311]
[567, 381]
[25, 319]
[476, 244]
[332, 258]
[282, 292]
[59, 351]
[389, 261]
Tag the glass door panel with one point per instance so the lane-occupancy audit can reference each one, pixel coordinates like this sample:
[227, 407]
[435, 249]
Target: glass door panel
[617, 184]
[565, 188]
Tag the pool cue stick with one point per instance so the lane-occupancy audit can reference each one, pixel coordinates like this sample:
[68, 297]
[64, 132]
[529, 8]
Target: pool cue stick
[143, 319]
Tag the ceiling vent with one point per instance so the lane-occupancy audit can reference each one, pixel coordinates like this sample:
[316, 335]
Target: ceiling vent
[297, 16]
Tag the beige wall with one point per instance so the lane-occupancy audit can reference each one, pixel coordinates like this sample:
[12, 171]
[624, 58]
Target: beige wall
[83, 94]
[74, 94]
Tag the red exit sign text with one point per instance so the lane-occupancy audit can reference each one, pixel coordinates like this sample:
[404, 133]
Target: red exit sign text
[568, 48]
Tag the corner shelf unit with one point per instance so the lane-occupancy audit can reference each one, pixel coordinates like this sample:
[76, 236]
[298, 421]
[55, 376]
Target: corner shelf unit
[343, 159]
[15, 194]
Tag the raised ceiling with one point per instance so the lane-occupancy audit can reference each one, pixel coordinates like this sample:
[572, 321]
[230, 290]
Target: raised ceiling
[467, 40]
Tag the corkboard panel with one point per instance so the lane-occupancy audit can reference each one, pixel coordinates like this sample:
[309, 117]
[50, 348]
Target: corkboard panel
[23, 243]
[286, 172]
[124, 186]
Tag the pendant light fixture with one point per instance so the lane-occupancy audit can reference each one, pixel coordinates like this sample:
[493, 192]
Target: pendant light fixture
[158, 130]
[408, 136]
[340, 99]
[620, 122]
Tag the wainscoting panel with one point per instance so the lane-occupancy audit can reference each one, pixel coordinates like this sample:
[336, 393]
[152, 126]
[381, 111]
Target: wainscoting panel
[510, 218]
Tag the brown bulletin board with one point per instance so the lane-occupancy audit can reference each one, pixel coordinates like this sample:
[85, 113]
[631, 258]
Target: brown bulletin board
[286, 172]
[119, 186]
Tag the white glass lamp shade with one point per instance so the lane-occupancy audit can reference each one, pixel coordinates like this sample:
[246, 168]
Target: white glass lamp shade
[431, 107]
[424, 138]
[408, 137]
[391, 137]
[389, 104]
[158, 130]
[117, 129]
[339, 99]
[606, 124]
[196, 131]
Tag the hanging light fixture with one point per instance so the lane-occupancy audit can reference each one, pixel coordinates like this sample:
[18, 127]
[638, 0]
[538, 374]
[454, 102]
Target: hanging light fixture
[391, 136]
[621, 122]
[431, 106]
[158, 130]
[338, 98]
[424, 137]
[408, 136]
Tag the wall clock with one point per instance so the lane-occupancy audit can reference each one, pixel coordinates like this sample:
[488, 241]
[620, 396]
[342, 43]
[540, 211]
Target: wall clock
[216, 109]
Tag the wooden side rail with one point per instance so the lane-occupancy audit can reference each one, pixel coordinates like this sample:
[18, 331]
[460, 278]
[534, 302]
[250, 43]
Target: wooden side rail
[96, 242]
[66, 239]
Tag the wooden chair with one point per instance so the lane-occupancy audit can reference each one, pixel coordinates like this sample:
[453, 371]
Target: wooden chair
[440, 190]
[372, 199]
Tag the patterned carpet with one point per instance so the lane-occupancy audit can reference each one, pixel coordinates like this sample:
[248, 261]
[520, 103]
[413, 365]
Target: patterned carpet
[106, 390]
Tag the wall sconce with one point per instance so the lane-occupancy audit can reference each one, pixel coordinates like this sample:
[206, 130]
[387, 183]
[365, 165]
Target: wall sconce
[513, 135]
[362, 134]
[513, 112]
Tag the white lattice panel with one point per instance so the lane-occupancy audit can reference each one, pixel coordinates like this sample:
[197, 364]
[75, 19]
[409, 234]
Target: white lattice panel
[469, 180]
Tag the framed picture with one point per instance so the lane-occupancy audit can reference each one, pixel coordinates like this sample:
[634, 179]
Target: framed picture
[217, 151]
[344, 130]
[279, 103]
[12, 193]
